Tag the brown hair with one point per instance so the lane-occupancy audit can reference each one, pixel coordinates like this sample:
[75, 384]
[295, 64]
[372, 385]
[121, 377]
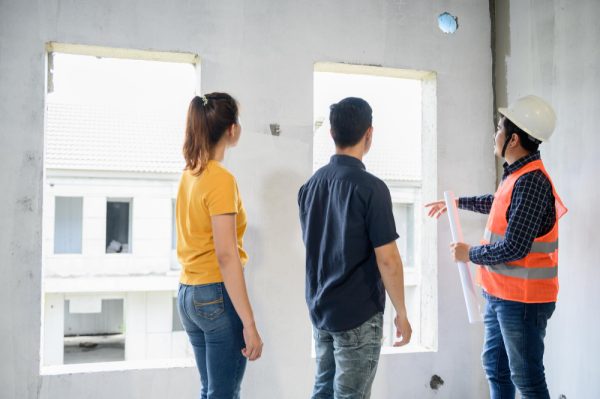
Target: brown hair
[208, 119]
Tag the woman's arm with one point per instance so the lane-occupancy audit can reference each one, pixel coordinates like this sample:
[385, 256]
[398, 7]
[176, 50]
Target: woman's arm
[224, 235]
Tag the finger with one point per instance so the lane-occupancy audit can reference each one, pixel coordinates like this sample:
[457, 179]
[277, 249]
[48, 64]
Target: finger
[405, 340]
[250, 349]
[432, 207]
[406, 334]
[248, 352]
[440, 212]
[256, 352]
[407, 337]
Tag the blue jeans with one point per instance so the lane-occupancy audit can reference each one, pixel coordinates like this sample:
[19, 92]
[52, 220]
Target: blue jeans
[347, 360]
[215, 332]
[513, 351]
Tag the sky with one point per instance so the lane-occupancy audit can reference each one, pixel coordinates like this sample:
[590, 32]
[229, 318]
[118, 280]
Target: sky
[155, 86]
[396, 104]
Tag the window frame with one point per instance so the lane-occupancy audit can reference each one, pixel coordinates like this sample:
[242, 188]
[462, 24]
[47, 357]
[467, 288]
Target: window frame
[423, 276]
[47, 252]
[81, 219]
[130, 201]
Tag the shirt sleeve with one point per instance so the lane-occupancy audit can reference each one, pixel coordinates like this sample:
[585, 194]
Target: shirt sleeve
[381, 226]
[531, 197]
[222, 198]
[480, 204]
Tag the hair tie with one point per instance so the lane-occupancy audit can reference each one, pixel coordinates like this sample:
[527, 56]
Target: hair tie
[204, 100]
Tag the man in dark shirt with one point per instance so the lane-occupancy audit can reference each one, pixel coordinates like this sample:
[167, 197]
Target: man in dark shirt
[519, 252]
[351, 259]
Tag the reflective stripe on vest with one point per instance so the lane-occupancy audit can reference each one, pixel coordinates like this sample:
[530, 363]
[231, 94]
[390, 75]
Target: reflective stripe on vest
[536, 247]
[526, 273]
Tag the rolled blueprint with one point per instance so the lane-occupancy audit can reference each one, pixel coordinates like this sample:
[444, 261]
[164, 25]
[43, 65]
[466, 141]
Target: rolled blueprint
[471, 301]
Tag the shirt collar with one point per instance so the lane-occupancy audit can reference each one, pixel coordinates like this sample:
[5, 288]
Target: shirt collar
[508, 169]
[347, 160]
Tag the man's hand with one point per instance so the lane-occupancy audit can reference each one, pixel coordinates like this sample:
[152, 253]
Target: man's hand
[403, 329]
[254, 344]
[437, 208]
[460, 251]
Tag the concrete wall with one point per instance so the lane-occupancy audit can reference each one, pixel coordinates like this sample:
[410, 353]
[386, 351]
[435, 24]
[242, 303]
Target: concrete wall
[550, 48]
[263, 52]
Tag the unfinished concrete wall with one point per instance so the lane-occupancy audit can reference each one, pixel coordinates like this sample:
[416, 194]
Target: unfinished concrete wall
[550, 48]
[263, 52]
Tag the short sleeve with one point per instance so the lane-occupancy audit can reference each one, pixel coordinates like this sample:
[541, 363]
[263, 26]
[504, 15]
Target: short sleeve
[381, 226]
[222, 197]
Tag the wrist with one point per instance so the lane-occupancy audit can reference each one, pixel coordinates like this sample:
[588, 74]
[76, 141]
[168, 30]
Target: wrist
[469, 253]
[401, 312]
[249, 323]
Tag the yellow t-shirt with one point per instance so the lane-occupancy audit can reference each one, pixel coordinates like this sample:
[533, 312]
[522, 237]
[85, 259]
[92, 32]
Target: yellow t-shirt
[214, 192]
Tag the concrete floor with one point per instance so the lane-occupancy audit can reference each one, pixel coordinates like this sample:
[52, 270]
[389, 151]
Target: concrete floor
[94, 349]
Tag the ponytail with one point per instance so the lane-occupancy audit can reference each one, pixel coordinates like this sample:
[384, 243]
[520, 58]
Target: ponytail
[208, 119]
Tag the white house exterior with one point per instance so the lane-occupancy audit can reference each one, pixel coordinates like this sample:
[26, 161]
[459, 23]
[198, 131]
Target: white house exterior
[110, 173]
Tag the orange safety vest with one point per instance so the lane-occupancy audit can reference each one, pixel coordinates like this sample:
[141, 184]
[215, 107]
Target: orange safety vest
[534, 278]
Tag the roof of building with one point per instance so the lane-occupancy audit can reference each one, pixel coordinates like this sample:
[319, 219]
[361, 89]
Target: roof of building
[393, 156]
[101, 138]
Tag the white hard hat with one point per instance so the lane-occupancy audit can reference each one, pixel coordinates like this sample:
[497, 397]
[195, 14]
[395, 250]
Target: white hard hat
[532, 114]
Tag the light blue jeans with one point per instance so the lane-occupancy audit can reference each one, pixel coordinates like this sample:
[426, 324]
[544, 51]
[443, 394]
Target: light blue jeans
[513, 352]
[215, 332]
[347, 360]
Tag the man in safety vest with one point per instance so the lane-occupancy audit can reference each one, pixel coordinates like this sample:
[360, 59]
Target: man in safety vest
[518, 255]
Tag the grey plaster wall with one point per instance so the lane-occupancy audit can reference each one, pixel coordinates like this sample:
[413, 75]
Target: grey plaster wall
[550, 48]
[263, 52]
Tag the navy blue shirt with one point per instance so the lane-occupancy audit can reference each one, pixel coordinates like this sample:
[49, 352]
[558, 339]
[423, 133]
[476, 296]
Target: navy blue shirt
[345, 213]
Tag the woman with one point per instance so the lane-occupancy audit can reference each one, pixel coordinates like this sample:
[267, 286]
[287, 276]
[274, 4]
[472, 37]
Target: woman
[213, 302]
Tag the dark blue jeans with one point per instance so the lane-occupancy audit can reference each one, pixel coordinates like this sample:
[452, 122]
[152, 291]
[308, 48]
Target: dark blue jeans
[347, 360]
[513, 351]
[215, 332]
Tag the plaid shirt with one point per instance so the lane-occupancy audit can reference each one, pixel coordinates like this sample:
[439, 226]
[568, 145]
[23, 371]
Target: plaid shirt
[531, 214]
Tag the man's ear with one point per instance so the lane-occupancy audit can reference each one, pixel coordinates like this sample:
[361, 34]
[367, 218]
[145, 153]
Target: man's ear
[369, 134]
[515, 140]
[368, 139]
